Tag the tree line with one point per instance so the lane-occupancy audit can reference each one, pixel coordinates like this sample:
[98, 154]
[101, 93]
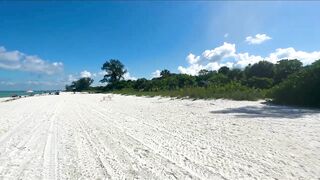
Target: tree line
[286, 82]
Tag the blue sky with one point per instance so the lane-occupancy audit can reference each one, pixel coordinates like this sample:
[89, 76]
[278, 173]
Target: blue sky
[44, 45]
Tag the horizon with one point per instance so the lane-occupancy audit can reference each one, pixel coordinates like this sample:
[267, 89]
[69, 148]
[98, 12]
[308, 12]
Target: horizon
[46, 45]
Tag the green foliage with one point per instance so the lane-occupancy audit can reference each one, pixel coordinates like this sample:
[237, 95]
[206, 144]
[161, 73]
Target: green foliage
[141, 84]
[235, 74]
[259, 82]
[165, 73]
[218, 79]
[260, 69]
[224, 70]
[80, 85]
[185, 81]
[114, 71]
[301, 88]
[203, 72]
[284, 68]
[231, 90]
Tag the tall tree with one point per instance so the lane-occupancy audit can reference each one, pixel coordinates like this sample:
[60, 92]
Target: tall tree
[263, 69]
[203, 72]
[114, 71]
[165, 73]
[286, 67]
[80, 85]
[224, 70]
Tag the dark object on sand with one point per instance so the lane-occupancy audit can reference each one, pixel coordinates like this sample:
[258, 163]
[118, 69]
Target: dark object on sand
[57, 93]
[14, 95]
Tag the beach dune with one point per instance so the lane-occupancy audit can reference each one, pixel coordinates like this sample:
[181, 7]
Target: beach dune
[92, 136]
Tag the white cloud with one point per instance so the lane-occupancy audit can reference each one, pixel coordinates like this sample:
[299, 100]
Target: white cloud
[7, 83]
[290, 53]
[243, 59]
[193, 69]
[85, 74]
[218, 53]
[226, 55]
[102, 73]
[210, 59]
[226, 35]
[71, 78]
[45, 83]
[257, 39]
[156, 74]
[127, 76]
[192, 59]
[15, 60]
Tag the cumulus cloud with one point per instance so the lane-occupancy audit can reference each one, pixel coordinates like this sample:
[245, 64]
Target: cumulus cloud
[243, 59]
[226, 55]
[71, 78]
[290, 53]
[193, 69]
[217, 54]
[85, 74]
[257, 39]
[156, 74]
[192, 59]
[209, 59]
[15, 60]
[127, 76]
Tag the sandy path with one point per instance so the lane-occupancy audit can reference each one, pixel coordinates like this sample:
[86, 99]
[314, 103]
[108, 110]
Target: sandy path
[85, 136]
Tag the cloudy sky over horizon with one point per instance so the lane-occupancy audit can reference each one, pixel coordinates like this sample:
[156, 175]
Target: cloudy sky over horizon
[45, 45]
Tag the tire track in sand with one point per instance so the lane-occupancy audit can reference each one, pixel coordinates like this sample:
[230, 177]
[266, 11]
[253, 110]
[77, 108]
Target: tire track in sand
[50, 153]
[132, 156]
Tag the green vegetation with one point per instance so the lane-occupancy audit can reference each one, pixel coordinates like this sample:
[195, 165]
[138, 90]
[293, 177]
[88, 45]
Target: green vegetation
[232, 90]
[301, 88]
[114, 71]
[286, 82]
[80, 85]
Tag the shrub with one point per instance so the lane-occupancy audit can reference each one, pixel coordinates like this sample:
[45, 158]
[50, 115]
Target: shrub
[231, 90]
[260, 69]
[301, 88]
[284, 68]
[219, 79]
[260, 83]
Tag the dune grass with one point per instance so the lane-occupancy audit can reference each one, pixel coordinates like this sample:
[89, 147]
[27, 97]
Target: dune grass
[230, 91]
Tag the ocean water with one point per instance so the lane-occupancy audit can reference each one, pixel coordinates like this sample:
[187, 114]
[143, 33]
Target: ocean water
[19, 93]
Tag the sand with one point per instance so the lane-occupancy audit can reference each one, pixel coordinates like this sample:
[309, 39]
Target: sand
[99, 136]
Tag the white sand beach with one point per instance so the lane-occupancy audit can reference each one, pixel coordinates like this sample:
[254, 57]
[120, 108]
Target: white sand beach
[96, 136]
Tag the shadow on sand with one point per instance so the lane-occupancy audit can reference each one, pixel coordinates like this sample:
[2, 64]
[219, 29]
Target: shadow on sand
[268, 110]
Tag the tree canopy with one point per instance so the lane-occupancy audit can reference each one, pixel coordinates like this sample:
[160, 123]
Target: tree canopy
[300, 88]
[114, 71]
[263, 69]
[80, 85]
[286, 67]
[165, 73]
